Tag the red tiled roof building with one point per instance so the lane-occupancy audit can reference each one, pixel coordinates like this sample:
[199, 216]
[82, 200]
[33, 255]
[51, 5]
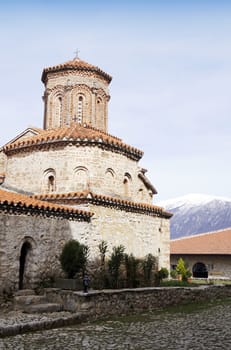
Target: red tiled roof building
[80, 172]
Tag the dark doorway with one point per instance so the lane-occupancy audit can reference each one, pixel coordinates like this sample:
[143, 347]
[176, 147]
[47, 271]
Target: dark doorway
[200, 270]
[24, 252]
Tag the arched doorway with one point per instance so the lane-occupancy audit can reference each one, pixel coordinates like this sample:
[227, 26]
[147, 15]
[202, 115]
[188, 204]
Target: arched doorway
[200, 270]
[26, 248]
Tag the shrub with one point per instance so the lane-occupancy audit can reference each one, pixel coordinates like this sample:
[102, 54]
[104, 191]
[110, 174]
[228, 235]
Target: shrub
[103, 250]
[149, 264]
[131, 265]
[74, 257]
[183, 270]
[173, 274]
[114, 264]
[163, 273]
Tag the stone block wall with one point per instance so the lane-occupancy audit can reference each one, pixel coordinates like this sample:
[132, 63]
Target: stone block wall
[140, 234]
[45, 236]
[107, 303]
[76, 169]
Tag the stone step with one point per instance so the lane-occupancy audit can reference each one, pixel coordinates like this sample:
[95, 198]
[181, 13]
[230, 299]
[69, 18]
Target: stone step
[42, 308]
[24, 292]
[21, 300]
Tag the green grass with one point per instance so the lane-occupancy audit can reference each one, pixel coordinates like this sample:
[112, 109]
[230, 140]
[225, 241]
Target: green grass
[175, 283]
[194, 283]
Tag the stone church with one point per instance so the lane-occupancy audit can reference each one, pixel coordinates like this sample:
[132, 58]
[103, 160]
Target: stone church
[72, 179]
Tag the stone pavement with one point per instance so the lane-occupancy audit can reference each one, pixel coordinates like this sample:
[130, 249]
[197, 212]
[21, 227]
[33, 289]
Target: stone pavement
[207, 328]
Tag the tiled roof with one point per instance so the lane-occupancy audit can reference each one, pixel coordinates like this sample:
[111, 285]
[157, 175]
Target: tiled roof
[218, 242]
[106, 201]
[79, 135]
[22, 135]
[21, 203]
[78, 65]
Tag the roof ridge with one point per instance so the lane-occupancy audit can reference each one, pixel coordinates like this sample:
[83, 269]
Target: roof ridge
[115, 200]
[201, 234]
[10, 197]
[76, 133]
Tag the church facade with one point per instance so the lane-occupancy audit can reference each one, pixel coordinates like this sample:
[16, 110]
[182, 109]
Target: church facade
[74, 165]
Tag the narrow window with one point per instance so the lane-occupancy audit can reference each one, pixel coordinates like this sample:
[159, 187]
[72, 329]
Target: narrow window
[51, 183]
[80, 109]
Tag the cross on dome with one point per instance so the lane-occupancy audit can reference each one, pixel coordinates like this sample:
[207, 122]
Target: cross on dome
[77, 51]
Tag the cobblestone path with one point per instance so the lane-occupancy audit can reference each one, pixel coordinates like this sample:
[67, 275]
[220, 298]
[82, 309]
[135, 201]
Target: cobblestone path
[208, 328]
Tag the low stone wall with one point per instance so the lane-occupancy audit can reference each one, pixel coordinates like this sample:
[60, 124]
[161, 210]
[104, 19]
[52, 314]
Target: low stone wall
[125, 301]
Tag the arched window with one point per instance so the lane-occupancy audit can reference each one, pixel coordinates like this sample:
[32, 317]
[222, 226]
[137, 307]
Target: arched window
[81, 178]
[100, 111]
[49, 183]
[58, 111]
[127, 182]
[110, 179]
[80, 110]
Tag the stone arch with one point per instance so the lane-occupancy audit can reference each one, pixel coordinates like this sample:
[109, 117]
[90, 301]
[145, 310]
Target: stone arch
[110, 178]
[49, 180]
[127, 184]
[101, 109]
[27, 264]
[56, 100]
[81, 178]
[200, 270]
[110, 172]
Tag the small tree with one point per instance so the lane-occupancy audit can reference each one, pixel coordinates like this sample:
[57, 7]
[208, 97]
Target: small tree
[103, 250]
[131, 264]
[148, 265]
[160, 275]
[182, 269]
[74, 257]
[114, 264]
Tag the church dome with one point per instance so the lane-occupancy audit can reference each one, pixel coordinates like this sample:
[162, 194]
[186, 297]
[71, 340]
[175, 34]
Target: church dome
[77, 65]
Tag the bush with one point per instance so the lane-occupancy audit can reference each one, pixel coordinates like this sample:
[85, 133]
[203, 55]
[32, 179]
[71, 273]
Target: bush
[114, 264]
[163, 273]
[74, 257]
[149, 264]
[183, 270]
[173, 274]
[131, 265]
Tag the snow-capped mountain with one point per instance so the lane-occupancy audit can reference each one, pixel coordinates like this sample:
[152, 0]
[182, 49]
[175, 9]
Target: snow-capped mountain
[197, 213]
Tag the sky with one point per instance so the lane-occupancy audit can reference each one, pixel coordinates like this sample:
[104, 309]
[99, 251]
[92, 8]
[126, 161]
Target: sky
[171, 88]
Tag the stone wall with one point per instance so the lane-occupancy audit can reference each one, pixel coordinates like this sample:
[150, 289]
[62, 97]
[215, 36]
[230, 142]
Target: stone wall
[126, 301]
[217, 265]
[76, 169]
[3, 160]
[45, 238]
[140, 234]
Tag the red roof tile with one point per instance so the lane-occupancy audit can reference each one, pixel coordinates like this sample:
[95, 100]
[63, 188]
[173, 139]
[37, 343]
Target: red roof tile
[106, 200]
[77, 65]
[218, 242]
[78, 134]
[23, 201]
